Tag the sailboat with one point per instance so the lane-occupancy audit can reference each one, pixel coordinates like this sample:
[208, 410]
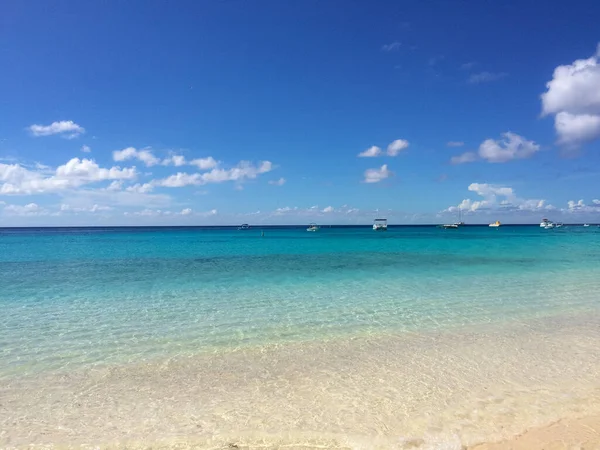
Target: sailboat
[460, 222]
[454, 225]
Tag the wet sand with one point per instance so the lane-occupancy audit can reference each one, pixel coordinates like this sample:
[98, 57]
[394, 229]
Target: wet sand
[567, 434]
[446, 390]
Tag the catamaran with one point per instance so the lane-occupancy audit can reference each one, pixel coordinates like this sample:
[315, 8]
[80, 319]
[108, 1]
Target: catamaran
[244, 226]
[496, 224]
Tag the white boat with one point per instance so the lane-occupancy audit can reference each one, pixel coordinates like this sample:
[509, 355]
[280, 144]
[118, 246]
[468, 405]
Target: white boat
[496, 224]
[380, 225]
[586, 225]
[244, 226]
[453, 226]
[460, 222]
[313, 227]
[547, 224]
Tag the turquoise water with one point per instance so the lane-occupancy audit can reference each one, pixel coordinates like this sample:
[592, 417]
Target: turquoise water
[71, 298]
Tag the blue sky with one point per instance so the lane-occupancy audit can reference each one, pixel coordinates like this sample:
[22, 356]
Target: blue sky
[228, 112]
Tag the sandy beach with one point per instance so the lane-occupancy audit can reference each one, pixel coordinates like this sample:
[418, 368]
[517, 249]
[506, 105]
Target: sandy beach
[426, 391]
[583, 433]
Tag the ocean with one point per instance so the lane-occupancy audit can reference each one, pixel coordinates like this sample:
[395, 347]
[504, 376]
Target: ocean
[282, 325]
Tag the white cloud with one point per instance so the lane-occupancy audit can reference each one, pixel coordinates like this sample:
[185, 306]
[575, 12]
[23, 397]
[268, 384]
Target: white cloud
[328, 209]
[371, 152]
[455, 144]
[486, 77]
[580, 206]
[174, 160]
[16, 179]
[64, 207]
[391, 47]
[573, 95]
[145, 156]
[496, 197]
[31, 209]
[86, 149]
[86, 170]
[140, 188]
[576, 129]
[466, 157]
[511, 147]
[376, 175]
[279, 182]
[204, 163]
[397, 146]
[243, 171]
[65, 128]
[186, 212]
[116, 185]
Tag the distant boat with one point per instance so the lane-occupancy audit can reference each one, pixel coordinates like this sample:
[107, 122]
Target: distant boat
[244, 226]
[547, 224]
[496, 224]
[313, 227]
[455, 225]
[380, 225]
[460, 222]
[586, 225]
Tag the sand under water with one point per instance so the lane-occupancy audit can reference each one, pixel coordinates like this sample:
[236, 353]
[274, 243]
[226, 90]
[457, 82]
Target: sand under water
[436, 390]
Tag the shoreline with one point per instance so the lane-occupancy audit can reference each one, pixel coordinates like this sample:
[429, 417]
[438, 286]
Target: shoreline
[458, 389]
[566, 434]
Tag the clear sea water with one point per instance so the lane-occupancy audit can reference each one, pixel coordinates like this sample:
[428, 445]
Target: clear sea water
[75, 298]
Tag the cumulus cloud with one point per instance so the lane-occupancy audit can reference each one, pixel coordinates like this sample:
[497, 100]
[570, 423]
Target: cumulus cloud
[65, 128]
[573, 96]
[455, 144]
[16, 179]
[575, 129]
[174, 160]
[30, 209]
[243, 171]
[145, 156]
[580, 206]
[371, 152]
[497, 197]
[186, 212]
[511, 147]
[205, 163]
[140, 188]
[279, 182]
[397, 146]
[463, 158]
[377, 175]
[86, 149]
[328, 209]
[391, 47]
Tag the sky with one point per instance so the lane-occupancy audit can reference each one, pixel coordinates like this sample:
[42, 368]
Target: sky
[270, 112]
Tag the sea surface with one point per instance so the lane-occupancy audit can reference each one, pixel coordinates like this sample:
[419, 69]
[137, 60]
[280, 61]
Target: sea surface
[75, 301]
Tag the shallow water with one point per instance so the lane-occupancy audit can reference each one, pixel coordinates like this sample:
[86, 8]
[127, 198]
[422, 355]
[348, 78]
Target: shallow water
[345, 337]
